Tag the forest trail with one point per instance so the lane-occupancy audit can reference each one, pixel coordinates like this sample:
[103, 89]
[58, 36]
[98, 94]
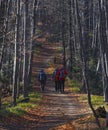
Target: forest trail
[56, 111]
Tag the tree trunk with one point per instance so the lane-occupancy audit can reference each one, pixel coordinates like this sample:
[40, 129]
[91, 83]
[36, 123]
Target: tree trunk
[33, 29]
[26, 57]
[63, 35]
[16, 57]
[70, 36]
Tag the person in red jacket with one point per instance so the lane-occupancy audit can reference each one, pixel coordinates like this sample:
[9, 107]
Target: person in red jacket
[55, 76]
[62, 76]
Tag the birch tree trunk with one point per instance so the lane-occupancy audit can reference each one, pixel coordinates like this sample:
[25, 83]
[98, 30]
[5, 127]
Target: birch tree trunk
[63, 33]
[6, 6]
[6, 14]
[33, 29]
[26, 57]
[16, 57]
[70, 36]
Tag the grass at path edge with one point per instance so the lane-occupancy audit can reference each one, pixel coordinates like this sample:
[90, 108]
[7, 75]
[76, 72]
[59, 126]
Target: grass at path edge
[21, 108]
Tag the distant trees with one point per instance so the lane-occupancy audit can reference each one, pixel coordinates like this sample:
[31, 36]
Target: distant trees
[16, 40]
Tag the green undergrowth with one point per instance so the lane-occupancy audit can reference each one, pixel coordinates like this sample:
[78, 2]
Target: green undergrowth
[21, 107]
[96, 100]
[74, 85]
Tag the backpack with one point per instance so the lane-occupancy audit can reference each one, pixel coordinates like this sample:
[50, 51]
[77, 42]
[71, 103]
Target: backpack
[42, 76]
[55, 73]
[62, 74]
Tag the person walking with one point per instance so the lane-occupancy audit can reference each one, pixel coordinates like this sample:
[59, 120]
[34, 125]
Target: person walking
[62, 77]
[55, 77]
[42, 77]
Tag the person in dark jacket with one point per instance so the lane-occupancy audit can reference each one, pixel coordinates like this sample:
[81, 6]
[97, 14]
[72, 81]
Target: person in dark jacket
[42, 78]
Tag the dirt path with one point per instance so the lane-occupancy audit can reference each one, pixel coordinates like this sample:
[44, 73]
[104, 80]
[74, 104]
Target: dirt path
[59, 109]
[55, 109]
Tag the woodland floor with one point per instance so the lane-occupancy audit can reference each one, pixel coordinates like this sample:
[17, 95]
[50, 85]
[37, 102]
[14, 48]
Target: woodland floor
[56, 111]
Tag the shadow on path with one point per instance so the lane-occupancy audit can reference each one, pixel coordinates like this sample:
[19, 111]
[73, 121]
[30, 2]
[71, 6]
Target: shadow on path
[59, 109]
